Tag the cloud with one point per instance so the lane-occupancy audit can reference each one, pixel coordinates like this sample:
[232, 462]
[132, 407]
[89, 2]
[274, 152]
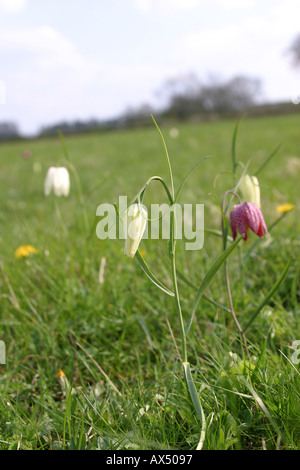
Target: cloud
[168, 6]
[43, 44]
[236, 3]
[12, 6]
[41, 58]
[49, 80]
[255, 46]
[46, 78]
[165, 6]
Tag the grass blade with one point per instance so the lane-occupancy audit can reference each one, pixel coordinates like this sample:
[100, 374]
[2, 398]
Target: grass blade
[272, 291]
[167, 156]
[186, 177]
[265, 410]
[267, 160]
[233, 146]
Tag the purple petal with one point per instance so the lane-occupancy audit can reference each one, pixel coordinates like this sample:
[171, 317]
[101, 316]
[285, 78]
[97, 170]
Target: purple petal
[239, 220]
[255, 219]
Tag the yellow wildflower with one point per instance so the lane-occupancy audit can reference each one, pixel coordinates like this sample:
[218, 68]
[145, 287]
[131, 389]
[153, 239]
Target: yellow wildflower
[60, 374]
[24, 251]
[283, 208]
[63, 381]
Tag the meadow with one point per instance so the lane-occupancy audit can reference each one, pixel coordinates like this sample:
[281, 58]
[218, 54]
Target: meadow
[93, 359]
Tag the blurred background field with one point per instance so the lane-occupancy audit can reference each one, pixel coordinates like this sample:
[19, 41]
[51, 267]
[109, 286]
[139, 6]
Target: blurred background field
[57, 316]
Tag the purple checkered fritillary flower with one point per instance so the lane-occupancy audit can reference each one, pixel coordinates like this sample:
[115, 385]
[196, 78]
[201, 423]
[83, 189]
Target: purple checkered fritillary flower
[247, 216]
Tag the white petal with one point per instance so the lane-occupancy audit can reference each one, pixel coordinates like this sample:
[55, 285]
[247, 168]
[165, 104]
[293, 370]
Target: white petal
[49, 180]
[135, 220]
[61, 182]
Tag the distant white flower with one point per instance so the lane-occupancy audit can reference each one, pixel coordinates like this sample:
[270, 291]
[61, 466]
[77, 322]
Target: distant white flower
[174, 132]
[134, 219]
[58, 179]
[250, 190]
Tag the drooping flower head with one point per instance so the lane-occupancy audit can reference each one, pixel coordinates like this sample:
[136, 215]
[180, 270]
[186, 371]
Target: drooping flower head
[250, 190]
[134, 220]
[58, 179]
[247, 216]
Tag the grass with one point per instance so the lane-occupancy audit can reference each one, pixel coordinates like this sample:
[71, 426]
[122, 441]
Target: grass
[122, 385]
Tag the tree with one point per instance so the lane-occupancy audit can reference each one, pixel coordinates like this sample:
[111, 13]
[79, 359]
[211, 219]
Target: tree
[237, 94]
[8, 130]
[188, 97]
[294, 51]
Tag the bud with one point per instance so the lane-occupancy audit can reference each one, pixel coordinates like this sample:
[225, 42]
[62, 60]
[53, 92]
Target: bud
[134, 219]
[247, 215]
[249, 187]
[57, 179]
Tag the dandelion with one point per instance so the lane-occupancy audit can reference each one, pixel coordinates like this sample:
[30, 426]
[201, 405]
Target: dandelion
[250, 190]
[60, 374]
[58, 179]
[63, 381]
[135, 219]
[283, 208]
[245, 216]
[24, 251]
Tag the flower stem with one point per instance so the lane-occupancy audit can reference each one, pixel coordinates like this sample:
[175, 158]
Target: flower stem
[175, 285]
[233, 314]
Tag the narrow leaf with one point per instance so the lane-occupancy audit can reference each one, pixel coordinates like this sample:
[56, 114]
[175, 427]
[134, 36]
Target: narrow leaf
[206, 297]
[209, 276]
[196, 402]
[150, 275]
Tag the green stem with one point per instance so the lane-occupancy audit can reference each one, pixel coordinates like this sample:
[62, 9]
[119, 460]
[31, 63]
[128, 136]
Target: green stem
[60, 216]
[233, 314]
[175, 285]
[167, 157]
[171, 197]
[172, 253]
[140, 194]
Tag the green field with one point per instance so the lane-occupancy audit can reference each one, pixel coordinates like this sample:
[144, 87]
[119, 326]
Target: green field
[118, 342]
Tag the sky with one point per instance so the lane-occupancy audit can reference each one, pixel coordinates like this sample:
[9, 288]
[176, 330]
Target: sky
[83, 59]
